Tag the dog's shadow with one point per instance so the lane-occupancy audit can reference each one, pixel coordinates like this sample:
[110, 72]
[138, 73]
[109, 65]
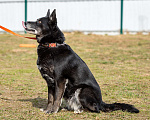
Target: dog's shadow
[36, 102]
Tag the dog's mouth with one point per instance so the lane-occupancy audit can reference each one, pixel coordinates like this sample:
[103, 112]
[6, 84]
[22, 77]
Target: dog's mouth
[29, 29]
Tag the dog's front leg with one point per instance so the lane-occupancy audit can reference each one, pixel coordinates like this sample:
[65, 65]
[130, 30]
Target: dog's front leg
[59, 92]
[51, 90]
[48, 76]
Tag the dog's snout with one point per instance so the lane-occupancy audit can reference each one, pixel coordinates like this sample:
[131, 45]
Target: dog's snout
[25, 23]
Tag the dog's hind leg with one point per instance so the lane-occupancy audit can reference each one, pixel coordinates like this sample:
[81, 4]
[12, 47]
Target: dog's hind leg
[74, 102]
[89, 101]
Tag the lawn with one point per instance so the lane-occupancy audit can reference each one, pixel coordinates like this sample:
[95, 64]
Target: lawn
[120, 64]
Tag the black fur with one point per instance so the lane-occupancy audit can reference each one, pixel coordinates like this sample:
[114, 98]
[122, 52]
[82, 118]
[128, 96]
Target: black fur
[60, 64]
[119, 106]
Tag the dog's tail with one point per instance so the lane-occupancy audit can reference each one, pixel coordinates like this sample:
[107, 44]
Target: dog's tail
[118, 106]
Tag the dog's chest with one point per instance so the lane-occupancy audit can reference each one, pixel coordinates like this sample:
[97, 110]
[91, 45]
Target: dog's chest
[47, 71]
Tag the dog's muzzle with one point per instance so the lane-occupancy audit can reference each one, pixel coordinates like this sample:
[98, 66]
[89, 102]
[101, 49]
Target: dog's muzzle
[29, 29]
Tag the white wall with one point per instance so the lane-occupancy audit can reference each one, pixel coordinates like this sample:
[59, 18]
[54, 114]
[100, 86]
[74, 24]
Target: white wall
[83, 16]
[137, 15]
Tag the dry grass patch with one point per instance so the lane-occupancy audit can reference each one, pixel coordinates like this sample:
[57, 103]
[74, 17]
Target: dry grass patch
[119, 63]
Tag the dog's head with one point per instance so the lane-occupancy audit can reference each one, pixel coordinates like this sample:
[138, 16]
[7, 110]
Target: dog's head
[45, 27]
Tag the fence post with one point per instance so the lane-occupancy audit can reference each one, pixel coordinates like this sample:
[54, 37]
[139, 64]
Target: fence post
[25, 11]
[121, 21]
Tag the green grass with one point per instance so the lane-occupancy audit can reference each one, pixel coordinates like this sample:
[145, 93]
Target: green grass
[121, 65]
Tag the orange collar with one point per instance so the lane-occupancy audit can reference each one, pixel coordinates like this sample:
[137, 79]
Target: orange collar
[52, 44]
[49, 44]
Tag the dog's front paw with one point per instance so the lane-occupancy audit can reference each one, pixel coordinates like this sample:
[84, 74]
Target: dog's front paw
[47, 111]
[55, 109]
[42, 109]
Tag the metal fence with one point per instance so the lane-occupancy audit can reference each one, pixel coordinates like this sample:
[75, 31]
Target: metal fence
[103, 16]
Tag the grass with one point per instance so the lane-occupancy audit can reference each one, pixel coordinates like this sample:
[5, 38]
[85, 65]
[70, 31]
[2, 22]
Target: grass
[121, 65]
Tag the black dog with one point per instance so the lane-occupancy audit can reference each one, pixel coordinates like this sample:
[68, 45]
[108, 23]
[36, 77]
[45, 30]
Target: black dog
[66, 74]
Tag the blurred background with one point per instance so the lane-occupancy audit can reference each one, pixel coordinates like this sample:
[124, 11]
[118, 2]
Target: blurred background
[89, 16]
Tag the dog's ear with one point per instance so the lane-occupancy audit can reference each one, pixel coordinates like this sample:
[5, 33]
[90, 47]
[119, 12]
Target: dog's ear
[48, 13]
[53, 18]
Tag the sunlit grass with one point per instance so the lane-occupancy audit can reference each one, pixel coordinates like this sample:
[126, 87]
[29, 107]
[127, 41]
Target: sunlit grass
[120, 64]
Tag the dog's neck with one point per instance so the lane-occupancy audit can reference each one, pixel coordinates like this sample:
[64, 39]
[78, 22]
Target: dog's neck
[54, 37]
[50, 39]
